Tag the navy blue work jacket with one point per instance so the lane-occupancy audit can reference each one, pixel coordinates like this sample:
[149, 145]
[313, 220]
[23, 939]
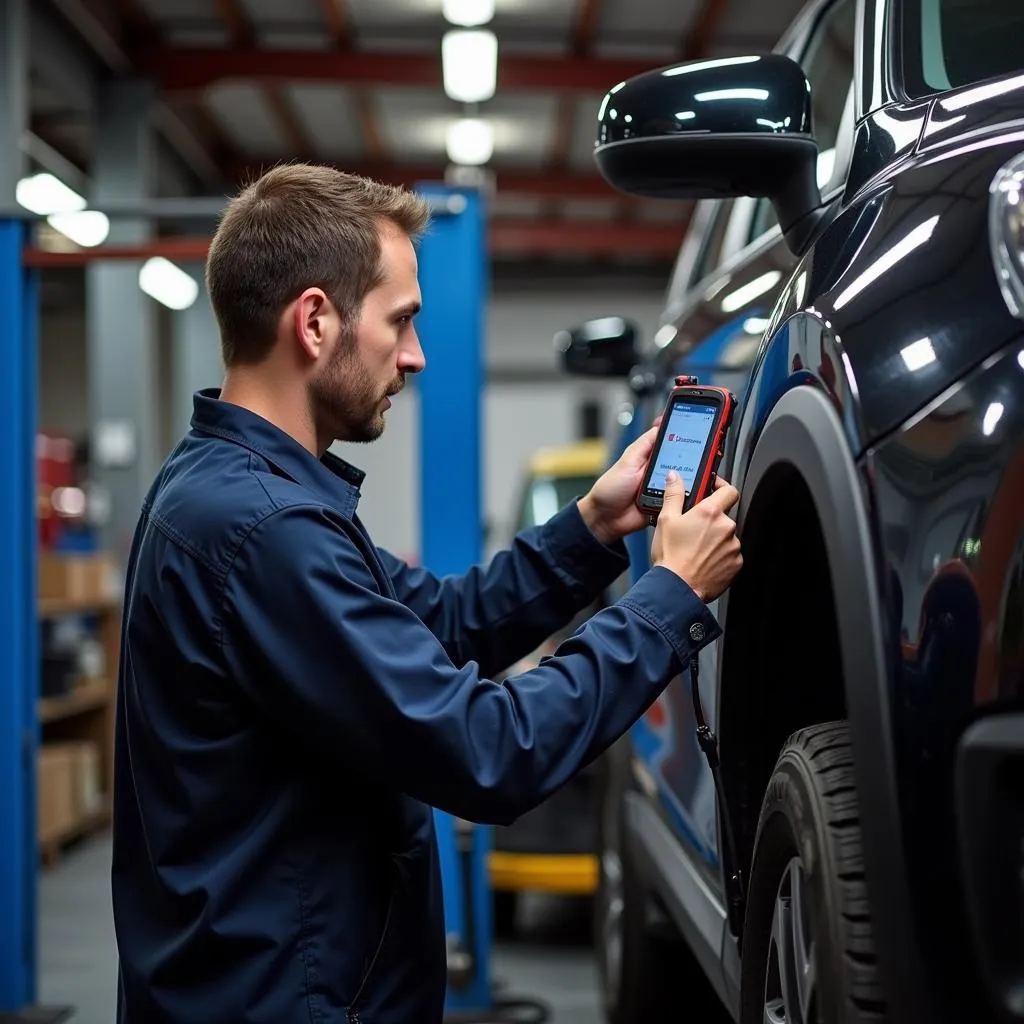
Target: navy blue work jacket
[292, 701]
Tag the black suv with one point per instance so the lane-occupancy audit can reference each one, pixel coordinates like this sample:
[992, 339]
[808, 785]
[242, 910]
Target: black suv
[855, 271]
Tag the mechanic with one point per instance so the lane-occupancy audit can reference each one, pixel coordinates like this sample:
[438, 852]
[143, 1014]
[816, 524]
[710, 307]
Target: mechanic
[292, 700]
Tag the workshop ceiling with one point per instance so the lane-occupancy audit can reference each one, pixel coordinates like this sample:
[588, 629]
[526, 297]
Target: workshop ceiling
[247, 83]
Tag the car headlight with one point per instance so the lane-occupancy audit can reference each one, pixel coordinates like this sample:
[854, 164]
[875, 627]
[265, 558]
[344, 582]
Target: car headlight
[1006, 232]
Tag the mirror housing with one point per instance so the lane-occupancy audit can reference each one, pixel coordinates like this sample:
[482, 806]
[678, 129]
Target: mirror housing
[714, 129]
[604, 347]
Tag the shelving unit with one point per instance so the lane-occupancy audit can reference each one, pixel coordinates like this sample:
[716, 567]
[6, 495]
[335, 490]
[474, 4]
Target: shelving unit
[85, 714]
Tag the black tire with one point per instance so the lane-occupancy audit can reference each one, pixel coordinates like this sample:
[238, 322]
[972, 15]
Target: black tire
[506, 905]
[652, 977]
[808, 852]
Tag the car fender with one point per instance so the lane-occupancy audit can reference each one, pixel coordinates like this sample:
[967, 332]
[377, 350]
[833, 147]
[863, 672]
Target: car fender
[805, 430]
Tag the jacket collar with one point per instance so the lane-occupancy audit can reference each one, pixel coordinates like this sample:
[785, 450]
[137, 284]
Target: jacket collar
[331, 477]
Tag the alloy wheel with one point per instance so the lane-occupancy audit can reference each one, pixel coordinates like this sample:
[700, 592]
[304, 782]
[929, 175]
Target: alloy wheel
[613, 906]
[790, 994]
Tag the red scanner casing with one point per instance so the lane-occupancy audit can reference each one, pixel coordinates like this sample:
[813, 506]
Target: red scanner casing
[689, 390]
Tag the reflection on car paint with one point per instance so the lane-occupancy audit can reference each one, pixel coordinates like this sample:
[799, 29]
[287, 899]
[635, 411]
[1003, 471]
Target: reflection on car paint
[949, 489]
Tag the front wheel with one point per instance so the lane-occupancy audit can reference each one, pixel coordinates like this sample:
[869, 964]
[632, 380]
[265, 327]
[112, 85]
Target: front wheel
[808, 949]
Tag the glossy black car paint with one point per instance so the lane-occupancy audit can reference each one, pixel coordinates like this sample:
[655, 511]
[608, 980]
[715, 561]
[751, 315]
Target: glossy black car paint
[728, 126]
[936, 486]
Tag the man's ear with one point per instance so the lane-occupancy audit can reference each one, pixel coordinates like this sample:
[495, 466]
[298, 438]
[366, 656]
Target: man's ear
[309, 314]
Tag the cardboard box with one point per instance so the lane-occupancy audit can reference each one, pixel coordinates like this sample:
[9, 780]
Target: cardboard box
[87, 781]
[75, 577]
[57, 810]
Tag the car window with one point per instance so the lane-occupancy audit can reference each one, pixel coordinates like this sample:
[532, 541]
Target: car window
[949, 44]
[828, 64]
[711, 249]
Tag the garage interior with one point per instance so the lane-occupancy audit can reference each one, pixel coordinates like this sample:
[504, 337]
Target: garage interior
[154, 111]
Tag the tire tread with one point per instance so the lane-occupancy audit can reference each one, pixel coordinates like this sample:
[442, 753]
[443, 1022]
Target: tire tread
[828, 754]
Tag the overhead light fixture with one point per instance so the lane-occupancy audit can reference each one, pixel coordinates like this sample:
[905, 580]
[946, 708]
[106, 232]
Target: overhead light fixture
[44, 194]
[468, 13]
[86, 228]
[162, 280]
[47, 196]
[755, 325]
[469, 62]
[470, 141]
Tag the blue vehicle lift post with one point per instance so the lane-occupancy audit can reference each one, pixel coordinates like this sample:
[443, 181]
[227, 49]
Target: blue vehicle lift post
[19, 643]
[453, 280]
[453, 272]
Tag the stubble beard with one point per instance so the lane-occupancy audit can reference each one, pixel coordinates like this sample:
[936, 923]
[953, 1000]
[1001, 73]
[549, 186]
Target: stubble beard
[345, 398]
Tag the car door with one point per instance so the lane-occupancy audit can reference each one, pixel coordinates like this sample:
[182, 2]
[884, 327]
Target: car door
[713, 327]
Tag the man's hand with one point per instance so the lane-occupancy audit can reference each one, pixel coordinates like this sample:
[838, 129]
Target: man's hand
[609, 508]
[701, 545]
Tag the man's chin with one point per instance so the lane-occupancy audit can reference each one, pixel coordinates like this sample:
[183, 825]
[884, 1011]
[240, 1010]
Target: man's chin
[369, 431]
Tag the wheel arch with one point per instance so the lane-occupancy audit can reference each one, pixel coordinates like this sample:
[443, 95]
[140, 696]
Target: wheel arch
[803, 440]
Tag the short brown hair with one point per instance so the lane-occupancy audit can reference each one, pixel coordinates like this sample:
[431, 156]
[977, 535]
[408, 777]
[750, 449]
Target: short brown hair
[299, 226]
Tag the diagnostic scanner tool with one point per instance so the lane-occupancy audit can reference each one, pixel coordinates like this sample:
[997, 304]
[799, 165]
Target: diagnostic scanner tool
[691, 441]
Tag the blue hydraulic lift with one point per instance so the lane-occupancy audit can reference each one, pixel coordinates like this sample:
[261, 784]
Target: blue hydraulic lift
[453, 272]
[453, 280]
[19, 643]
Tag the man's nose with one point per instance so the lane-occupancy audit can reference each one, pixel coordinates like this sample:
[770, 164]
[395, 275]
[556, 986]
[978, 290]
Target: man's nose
[411, 358]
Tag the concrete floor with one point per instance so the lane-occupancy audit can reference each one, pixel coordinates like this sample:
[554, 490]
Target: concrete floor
[551, 960]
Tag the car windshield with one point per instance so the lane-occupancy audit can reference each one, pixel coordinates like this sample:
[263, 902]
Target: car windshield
[948, 44]
[547, 495]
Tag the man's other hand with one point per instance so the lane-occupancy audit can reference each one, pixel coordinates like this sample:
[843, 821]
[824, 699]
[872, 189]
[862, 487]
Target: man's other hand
[700, 545]
[609, 508]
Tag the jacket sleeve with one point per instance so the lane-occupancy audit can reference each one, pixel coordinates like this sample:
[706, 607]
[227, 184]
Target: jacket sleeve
[359, 678]
[498, 613]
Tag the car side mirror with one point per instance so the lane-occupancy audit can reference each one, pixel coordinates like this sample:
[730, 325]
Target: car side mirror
[714, 129]
[604, 347]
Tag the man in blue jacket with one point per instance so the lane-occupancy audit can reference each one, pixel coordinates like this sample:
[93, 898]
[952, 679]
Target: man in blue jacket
[292, 700]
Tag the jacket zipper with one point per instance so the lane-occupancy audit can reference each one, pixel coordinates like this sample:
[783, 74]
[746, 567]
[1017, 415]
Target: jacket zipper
[353, 1014]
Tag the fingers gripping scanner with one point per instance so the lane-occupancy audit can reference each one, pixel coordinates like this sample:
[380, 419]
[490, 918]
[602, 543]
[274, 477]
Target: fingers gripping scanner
[691, 441]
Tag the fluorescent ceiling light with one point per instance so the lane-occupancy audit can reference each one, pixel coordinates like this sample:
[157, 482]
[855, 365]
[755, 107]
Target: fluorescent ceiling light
[162, 280]
[468, 13]
[84, 227]
[470, 141]
[44, 194]
[469, 60]
[750, 291]
[1020, 358]
[755, 325]
[918, 354]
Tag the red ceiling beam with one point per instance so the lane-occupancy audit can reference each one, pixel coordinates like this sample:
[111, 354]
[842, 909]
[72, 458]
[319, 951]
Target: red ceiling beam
[544, 185]
[505, 238]
[191, 69]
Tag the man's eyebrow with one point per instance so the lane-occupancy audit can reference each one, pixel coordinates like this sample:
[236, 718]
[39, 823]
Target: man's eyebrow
[408, 309]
